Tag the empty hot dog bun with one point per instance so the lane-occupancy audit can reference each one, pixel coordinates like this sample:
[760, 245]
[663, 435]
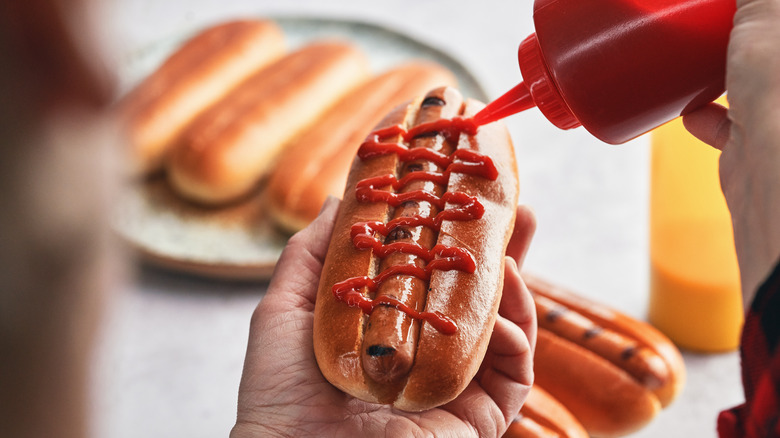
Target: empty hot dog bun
[199, 73]
[227, 149]
[315, 165]
[613, 372]
[418, 243]
[542, 416]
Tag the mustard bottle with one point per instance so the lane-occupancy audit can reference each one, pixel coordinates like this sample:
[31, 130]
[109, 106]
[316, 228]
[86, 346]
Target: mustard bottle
[695, 295]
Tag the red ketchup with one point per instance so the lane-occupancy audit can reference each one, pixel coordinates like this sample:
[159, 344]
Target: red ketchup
[619, 67]
[461, 207]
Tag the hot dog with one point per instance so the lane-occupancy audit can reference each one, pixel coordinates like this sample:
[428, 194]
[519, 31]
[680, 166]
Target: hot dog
[411, 283]
[199, 73]
[543, 416]
[300, 183]
[227, 149]
[612, 372]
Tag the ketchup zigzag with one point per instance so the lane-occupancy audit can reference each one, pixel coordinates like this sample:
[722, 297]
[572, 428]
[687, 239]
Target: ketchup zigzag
[441, 257]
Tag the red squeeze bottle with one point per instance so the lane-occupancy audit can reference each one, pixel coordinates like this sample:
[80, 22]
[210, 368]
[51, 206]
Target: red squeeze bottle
[619, 67]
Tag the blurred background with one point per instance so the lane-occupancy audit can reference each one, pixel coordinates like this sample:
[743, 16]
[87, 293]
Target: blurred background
[170, 359]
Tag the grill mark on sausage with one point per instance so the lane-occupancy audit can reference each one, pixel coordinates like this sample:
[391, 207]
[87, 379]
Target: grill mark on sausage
[398, 233]
[592, 332]
[628, 352]
[379, 351]
[433, 101]
[555, 313]
[428, 134]
[414, 167]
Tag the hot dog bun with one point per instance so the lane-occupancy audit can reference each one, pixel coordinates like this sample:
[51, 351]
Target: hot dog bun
[300, 183]
[614, 373]
[226, 150]
[199, 73]
[543, 416]
[443, 364]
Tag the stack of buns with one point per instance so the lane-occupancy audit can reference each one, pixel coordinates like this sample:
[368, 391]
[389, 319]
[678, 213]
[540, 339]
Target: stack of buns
[232, 112]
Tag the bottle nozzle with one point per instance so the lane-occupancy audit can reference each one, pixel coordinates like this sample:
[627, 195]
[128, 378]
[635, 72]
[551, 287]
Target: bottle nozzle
[512, 102]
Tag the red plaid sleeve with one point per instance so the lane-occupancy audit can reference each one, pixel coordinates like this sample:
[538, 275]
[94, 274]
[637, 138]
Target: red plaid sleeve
[759, 416]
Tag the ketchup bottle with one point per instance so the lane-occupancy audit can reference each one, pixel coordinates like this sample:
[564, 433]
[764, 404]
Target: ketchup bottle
[619, 67]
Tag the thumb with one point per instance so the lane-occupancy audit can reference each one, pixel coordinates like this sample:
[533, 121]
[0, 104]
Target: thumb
[300, 264]
[752, 80]
[709, 124]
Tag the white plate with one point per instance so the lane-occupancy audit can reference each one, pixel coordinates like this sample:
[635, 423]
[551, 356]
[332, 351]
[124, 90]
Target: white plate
[237, 242]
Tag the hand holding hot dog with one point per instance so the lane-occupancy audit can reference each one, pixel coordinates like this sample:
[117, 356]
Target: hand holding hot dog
[283, 392]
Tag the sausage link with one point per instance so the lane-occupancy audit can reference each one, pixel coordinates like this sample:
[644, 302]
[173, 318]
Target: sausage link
[524, 427]
[389, 343]
[641, 363]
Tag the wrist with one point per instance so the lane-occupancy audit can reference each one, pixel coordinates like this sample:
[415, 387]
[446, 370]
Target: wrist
[244, 429]
[269, 420]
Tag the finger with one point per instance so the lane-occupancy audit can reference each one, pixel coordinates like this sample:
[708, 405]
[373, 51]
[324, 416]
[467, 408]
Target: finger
[281, 323]
[300, 264]
[509, 374]
[501, 385]
[505, 378]
[517, 304]
[525, 226]
[762, 8]
[477, 411]
[709, 124]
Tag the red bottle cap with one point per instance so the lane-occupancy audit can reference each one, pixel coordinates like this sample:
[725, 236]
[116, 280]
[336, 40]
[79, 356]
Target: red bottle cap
[541, 85]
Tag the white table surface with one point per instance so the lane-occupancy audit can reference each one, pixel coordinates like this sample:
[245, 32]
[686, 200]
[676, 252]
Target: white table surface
[171, 354]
